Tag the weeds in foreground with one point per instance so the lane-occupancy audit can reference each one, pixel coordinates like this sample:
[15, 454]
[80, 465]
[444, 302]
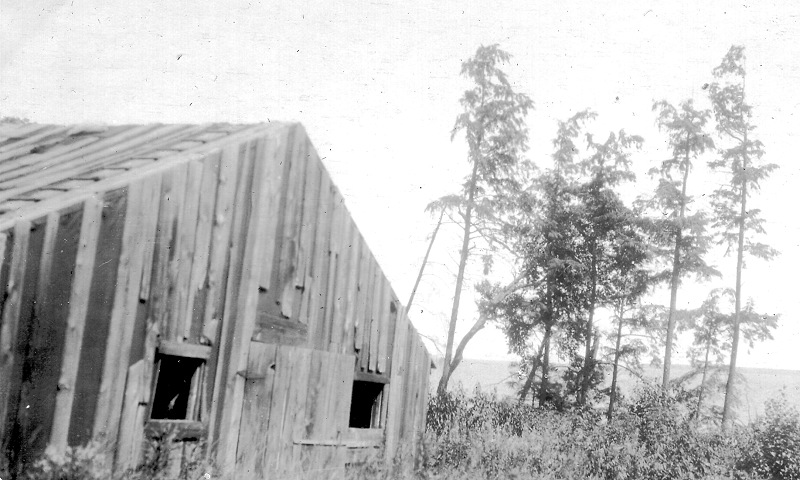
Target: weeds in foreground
[480, 437]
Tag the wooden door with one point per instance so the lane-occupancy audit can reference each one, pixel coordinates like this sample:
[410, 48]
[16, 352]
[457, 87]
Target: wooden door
[295, 412]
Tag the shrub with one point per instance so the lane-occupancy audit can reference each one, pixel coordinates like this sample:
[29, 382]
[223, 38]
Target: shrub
[773, 442]
[651, 437]
[77, 463]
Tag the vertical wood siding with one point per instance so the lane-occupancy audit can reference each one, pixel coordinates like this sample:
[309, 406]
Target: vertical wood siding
[234, 238]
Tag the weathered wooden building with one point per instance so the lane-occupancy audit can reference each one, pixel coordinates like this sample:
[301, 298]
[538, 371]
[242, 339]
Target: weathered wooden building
[201, 281]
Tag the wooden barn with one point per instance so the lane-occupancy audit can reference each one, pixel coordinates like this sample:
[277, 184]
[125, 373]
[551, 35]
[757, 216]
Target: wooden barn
[202, 284]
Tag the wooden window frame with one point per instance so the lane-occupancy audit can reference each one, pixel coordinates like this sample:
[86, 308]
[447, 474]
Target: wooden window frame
[188, 428]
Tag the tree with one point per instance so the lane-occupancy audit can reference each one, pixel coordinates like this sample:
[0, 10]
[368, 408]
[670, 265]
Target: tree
[493, 123]
[630, 280]
[712, 325]
[544, 240]
[685, 233]
[602, 216]
[740, 159]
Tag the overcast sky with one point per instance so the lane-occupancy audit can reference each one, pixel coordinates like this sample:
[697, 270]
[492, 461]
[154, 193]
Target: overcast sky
[376, 85]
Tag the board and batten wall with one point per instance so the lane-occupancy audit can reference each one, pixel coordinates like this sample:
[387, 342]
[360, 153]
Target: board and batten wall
[241, 248]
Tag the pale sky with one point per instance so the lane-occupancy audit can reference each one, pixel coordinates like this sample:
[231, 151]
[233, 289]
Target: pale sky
[376, 85]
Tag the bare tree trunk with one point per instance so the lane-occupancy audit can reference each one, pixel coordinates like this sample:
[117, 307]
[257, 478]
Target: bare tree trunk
[730, 386]
[424, 262]
[531, 375]
[703, 381]
[613, 394]
[447, 368]
[588, 361]
[676, 275]
[548, 333]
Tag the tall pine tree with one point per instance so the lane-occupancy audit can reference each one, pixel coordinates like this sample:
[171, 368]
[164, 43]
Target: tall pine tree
[493, 122]
[684, 233]
[740, 158]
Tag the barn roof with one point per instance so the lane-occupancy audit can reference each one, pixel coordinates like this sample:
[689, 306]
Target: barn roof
[45, 162]
[47, 167]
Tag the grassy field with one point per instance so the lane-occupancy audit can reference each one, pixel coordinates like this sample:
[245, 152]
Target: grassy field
[760, 384]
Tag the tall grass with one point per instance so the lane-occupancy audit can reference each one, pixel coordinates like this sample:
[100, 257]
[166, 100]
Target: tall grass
[478, 436]
[652, 437]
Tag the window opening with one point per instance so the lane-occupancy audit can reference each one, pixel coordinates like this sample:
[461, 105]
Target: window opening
[179, 382]
[365, 407]
[176, 396]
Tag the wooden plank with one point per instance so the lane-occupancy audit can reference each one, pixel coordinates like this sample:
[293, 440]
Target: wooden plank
[415, 390]
[275, 190]
[13, 136]
[322, 339]
[341, 285]
[301, 454]
[371, 377]
[178, 430]
[43, 360]
[322, 419]
[98, 311]
[219, 432]
[384, 325]
[422, 392]
[314, 297]
[338, 377]
[377, 317]
[351, 298]
[48, 171]
[151, 227]
[218, 262]
[331, 338]
[23, 146]
[394, 312]
[161, 286]
[308, 231]
[245, 312]
[243, 321]
[183, 349]
[344, 392]
[41, 154]
[220, 236]
[11, 316]
[137, 433]
[184, 251]
[21, 380]
[276, 329]
[126, 448]
[125, 178]
[425, 368]
[261, 373]
[5, 260]
[408, 390]
[143, 318]
[282, 393]
[294, 419]
[314, 387]
[141, 203]
[292, 211]
[365, 312]
[125, 145]
[200, 263]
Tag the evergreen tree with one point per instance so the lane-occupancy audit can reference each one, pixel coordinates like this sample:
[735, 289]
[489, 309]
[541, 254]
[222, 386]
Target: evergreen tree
[684, 233]
[602, 217]
[712, 325]
[493, 123]
[740, 158]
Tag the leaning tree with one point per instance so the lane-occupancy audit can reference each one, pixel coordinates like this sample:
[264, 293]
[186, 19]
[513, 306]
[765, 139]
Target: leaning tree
[493, 124]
